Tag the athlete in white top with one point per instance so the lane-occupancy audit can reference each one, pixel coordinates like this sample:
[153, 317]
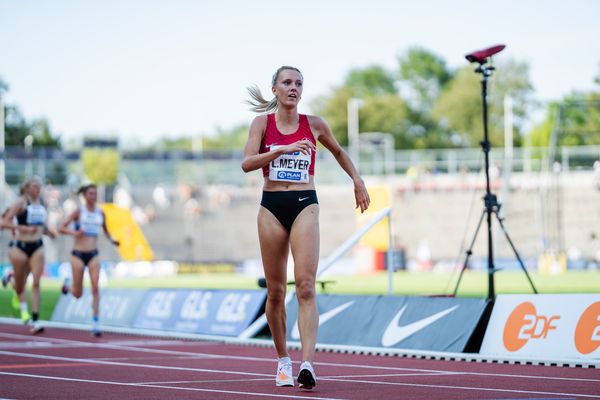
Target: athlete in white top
[87, 221]
[27, 254]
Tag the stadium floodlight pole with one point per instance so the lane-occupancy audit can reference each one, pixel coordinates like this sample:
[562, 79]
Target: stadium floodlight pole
[492, 207]
[353, 140]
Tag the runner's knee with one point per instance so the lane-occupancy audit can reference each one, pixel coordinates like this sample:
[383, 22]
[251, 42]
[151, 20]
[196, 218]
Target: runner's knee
[305, 290]
[275, 293]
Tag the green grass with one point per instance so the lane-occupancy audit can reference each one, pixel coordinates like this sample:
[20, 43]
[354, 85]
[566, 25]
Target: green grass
[474, 284]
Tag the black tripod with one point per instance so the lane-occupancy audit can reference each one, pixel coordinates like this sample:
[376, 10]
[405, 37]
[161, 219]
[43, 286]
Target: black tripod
[492, 207]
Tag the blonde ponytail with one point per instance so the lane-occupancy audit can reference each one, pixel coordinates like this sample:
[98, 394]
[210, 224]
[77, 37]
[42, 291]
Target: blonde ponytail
[258, 103]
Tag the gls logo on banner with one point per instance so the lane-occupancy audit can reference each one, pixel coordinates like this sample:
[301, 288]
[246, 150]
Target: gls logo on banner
[161, 305]
[587, 332]
[196, 305]
[524, 324]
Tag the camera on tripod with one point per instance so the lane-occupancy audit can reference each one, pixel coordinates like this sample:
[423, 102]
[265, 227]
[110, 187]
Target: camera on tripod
[492, 207]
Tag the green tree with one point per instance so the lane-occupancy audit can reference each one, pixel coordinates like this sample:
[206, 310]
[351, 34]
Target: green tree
[226, 139]
[459, 107]
[541, 132]
[579, 120]
[182, 144]
[373, 80]
[422, 76]
[17, 128]
[388, 114]
[382, 111]
[42, 135]
[334, 109]
[101, 165]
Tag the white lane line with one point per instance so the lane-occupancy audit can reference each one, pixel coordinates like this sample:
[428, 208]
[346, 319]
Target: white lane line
[105, 345]
[150, 385]
[123, 364]
[386, 375]
[267, 379]
[271, 360]
[41, 345]
[441, 371]
[207, 381]
[287, 396]
[594, 396]
[148, 358]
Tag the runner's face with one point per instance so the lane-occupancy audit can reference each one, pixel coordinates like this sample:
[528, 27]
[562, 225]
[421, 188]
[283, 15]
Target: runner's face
[91, 195]
[34, 189]
[288, 88]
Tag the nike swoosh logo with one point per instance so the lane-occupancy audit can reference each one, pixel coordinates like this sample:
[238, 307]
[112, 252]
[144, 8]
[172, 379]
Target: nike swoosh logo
[326, 316]
[394, 334]
[302, 198]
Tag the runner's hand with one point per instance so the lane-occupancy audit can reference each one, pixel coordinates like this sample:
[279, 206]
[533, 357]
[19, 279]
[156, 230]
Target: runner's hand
[361, 195]
[28, 228]
[304, 146]
[52, 234]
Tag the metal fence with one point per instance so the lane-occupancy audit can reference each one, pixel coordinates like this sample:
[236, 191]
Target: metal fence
[223, 167]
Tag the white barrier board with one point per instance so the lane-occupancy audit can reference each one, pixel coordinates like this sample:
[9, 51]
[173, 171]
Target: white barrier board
[558, 326]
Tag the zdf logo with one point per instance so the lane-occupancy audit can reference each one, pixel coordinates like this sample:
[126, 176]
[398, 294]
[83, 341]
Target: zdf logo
[524, 324]
[587, 332]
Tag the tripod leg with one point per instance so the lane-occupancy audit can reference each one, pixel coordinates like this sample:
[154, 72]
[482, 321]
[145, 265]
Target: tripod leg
[468, 252]
[516, 252]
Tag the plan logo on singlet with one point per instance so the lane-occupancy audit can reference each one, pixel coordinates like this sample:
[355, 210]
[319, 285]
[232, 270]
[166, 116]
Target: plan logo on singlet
[289, 175]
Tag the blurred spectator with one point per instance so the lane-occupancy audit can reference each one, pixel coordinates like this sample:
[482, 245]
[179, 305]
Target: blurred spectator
[597, 174]
[160, 197]
[595, 256]
[191, 211]
[122, 198]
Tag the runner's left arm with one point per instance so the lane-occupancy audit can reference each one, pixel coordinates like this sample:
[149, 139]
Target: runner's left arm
[106, 232]
[326, 138]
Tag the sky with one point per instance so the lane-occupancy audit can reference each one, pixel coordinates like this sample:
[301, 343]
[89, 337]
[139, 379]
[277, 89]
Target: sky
[146, 69]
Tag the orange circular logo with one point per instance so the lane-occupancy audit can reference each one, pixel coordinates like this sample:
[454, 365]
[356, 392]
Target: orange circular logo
[587, 332]
[517, 320]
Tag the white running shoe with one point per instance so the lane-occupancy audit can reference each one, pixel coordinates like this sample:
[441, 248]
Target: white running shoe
[66, 286]
[284, 376]
[35, 327]
[307, 379]
[96, 332]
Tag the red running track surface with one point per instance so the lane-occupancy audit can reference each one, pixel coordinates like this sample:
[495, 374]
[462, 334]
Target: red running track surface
[68, 364]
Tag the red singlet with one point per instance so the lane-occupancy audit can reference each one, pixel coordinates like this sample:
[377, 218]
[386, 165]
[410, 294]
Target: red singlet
[273, 137]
